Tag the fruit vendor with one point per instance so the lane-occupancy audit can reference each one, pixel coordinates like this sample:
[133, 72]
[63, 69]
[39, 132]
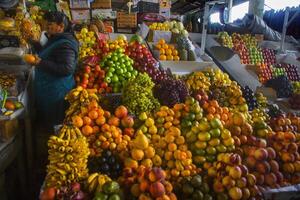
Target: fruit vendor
[55, 65]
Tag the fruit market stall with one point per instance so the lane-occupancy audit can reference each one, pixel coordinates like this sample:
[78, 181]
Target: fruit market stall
[165, 135]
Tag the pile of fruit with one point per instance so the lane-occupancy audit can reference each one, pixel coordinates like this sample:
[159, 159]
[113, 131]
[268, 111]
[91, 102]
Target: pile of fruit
[119, 69]
[226, 143]
[173, 26]
[87, 42]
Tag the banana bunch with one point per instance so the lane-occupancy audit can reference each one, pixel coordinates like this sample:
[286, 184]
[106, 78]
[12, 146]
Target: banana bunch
[68, 156]
[197, 81]
[78, 99]
[95, 182]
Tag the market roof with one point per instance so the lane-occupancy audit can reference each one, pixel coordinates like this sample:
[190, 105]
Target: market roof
[184, 6]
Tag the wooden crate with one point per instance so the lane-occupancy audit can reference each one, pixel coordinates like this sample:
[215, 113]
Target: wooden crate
[106, 4]
[125, 20]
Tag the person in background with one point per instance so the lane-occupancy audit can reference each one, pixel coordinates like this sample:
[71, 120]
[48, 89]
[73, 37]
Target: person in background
[55, 65]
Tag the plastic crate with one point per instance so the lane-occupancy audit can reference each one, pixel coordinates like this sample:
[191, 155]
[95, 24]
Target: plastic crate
[111, 101]
[126, 20]
[146, 7]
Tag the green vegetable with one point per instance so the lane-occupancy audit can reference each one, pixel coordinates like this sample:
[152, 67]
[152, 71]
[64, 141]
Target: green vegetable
[114, 197]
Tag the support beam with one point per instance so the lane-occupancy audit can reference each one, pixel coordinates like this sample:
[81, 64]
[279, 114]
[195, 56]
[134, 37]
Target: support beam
[256, 7]
[229, 10]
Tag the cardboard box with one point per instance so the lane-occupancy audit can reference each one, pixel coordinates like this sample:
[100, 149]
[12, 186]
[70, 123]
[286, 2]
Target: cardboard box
[105, 4]
[126, 20]
[84, 4]
[81, 15]
[106, 13]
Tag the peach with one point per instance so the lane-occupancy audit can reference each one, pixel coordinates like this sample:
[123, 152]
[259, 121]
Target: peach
[262, 143]
[235, 159]
[121, 112]
[261, 154]
[144, 185]
[158, 173]
[242, 182]
[251, 139]
[251, 179]
[254, 191]
[271, 153]
[244, 170]
[292, 148]
[297, 165]
[235, 172]
[157, 189]
[246, 193]
[250, 161]
[288, 168]
[287, 157]
[218, 187]
[247, 129]
[263, 167]
[127, 121]
[279, 177]
[274, 165]
[260, 179]
[270, 179]
[243, 139]
[228, 182]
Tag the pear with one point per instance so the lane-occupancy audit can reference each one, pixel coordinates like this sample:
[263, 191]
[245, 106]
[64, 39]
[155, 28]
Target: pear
[141, 141]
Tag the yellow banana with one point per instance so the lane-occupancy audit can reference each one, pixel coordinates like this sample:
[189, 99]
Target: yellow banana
[92, 177]
[93, 185]
[60, 171]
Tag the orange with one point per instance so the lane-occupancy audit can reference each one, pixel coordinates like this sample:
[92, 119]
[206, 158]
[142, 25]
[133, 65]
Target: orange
[137, 154]
[158, 46]
[162, 57]
[214, 103]
[150, 152]
[211, 109]
[29, 58]
[161, 41]
[93, 105]
[168, 52]
[171, 47]
[87, 130]
[100, 120]
[77, 121]
[176, 58]
[93, 114]
[165, 46]
[175, 53]
[162, 52]
[87, 120]
[169, 57]
[121, 112]
[114, 121]
[172, 147]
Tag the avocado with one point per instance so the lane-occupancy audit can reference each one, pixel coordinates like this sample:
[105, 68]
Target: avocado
[192, 55]
[114, 197]
[207, 197]
[100, 196]
[196, 181]
[198, 195]
[187, 189]
[111, 187]
[204, 188]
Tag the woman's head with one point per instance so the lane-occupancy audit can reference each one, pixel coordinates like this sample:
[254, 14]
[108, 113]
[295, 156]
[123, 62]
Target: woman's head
[57, 22]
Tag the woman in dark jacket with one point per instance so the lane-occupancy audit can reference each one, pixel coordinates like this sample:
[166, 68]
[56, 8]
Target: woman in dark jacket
[55, 66]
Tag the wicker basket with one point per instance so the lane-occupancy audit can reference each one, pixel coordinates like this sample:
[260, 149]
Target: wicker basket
[111, 101]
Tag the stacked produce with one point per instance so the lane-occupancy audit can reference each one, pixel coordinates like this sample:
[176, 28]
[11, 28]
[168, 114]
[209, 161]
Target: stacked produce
[147, 183]
[87, 42]
[186, 49]
[119, 69]
[167, 51]
[225, 39]
[197, 80]
[138, 96]
[145, 62]
[170, 92]
[68, 156]
[173, 26]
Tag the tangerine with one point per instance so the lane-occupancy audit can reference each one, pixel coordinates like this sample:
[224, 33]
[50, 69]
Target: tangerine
[87, 130]
[29, 58]
[87, 120]
[77, 121]
[93, 114]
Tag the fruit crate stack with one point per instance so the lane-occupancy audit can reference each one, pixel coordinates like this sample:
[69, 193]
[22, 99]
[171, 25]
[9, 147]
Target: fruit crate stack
[104, 4]
[147, 7]
[126, 20]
